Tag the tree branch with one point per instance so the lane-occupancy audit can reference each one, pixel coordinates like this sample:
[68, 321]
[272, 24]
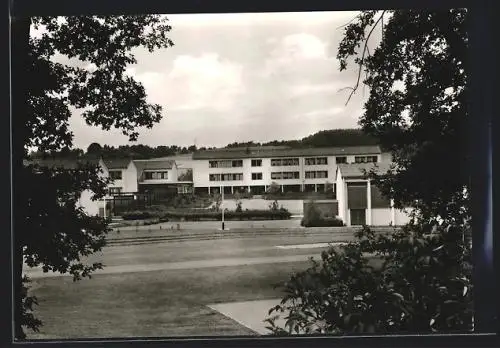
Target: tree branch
[345, 25]
[365, 49]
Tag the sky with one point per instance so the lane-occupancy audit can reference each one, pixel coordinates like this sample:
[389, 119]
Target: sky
[242, 77]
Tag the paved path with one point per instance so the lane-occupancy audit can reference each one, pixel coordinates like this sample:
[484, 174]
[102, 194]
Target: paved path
[250, 314]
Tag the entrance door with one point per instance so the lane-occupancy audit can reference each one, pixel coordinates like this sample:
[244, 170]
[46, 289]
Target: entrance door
[358, 217]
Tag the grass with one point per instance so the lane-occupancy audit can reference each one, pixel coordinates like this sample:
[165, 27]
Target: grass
[147, 304]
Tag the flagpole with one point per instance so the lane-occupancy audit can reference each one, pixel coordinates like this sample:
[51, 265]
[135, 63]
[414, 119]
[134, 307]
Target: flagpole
[222, 205]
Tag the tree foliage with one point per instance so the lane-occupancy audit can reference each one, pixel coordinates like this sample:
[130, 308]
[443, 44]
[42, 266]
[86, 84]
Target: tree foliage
[52, 230]
[411, 281]
[417, 110]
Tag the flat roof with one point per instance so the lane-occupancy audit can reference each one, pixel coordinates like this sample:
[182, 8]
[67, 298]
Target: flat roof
[357, 170]
[281, 151]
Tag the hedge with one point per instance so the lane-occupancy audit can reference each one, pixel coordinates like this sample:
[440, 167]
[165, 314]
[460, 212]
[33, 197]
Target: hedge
[229, 215]
[322, 222]
[138, 215]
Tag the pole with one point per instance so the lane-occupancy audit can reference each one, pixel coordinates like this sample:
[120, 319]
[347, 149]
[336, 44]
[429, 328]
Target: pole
[104, 207]
[222, 205]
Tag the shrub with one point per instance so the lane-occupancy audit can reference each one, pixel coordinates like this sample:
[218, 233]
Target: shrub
[228, 215]
[274, 206]
[137, 215]
[422, 284]
[274, 188]
[322, 222]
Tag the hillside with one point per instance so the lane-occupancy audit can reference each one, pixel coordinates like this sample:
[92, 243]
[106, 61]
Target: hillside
[326, 138]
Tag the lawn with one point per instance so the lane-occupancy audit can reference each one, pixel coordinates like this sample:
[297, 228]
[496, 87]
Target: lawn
[146, 304]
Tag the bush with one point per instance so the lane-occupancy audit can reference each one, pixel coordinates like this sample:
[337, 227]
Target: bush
[274, 206]
[228, 215]
[138, 215]
[322, 222]
[422, 284]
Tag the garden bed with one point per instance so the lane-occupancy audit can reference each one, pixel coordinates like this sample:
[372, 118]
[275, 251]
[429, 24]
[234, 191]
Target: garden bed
[196, 215]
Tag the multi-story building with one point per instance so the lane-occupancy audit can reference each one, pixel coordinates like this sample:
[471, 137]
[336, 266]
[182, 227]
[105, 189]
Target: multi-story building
[254, 169]
[123, 174]
[162, 177]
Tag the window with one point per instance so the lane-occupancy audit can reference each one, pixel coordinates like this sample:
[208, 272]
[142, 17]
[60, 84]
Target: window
[214, 177]
[310, 161]
[275, 162]
[322, 160]
[276, 175]
[225, 164]
[257, 163]
[115, 174]
[256, 176]
[115, 190]
[365, 159]
[225, 177]
[289, 175]
[156, 175]
[322, 174]
[316, 161]
[340, 160]
[317, 174]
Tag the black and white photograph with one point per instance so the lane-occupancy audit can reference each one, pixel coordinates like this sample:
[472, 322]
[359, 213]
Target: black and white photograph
[243, 175]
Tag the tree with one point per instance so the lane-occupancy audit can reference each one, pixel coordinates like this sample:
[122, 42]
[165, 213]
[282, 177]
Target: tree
[51, 230]
[274, 188]
[94, 149]
[417, 109]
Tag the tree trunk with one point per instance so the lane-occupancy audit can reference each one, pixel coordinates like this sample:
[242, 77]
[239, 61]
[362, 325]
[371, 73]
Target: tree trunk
[20, 28]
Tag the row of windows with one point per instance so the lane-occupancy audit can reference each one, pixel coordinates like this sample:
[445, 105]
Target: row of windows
[156, 175]
[225, 164]
[226, 177]
[316, 161]
[276, 162]
[285, 175]
[365, 159]
[317, 174]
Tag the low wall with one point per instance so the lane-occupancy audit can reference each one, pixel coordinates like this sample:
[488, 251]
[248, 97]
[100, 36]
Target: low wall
[381, 217]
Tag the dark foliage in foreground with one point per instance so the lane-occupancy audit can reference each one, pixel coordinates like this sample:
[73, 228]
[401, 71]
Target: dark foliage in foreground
[51, 229]
[422, 286]
[424, 282]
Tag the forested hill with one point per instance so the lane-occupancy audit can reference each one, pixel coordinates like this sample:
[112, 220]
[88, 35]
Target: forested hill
[326, 138]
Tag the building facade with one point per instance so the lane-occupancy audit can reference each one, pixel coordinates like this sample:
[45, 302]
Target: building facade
[292, 170]
[360, 202]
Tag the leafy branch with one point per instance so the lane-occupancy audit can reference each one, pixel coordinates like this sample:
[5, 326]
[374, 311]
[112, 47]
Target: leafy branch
[365, 52]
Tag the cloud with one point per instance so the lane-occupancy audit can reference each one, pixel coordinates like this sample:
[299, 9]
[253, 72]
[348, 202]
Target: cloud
[322, 112]
[300, 49]
[310, 88]
[195, 82]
